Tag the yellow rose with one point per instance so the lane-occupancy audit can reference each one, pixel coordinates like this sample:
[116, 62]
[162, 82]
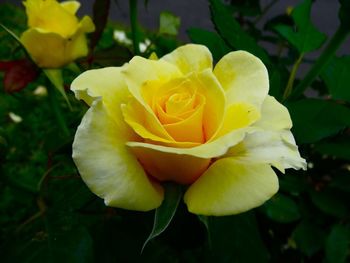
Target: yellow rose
[55, 36]
[178, 119]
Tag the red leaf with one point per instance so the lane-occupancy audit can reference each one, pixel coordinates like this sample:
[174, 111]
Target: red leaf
[18, 74]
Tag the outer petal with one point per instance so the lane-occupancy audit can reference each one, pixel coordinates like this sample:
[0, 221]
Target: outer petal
[183, 169]
[41, 45]
[229, 187]
[244, 77]
[105, 83]
[274, 115]
[108, 167]
[276, 148]
[190, 58]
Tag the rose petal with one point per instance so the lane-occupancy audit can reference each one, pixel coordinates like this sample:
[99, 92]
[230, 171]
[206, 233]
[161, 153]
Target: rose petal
[238, 115]
[229, 187]
[183, 169]
[214, 108]
[215, 148]
[52, 17]
[190, 58]
[244, 78]
[105, 83]
[71, 6]
[275, 148]
[108, 167]
[274, 115]
[143, 123]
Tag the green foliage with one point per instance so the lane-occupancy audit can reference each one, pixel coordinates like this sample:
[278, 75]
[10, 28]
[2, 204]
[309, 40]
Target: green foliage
[168, 23]
[316, 119]
[337, 78]
[307, 38]
[282, 209]
[165, 213]
[47, 213]
[231, 31]
[212, 40]
[337, 244]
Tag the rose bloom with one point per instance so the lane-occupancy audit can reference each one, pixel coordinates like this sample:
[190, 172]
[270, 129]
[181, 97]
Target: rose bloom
[178, 119]
[55, 36]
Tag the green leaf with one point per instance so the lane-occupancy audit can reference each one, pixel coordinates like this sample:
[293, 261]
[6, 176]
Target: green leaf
[168, 24]
[212, 40]
[281, 209]
[341, 181]
[231, 31]
[337, 77]
[337, 244]
[344, 14]
[293, 183]
[165, 213]
[315, 119]
[55, 77]
[236, 239]
[307, 38]
[339, 147]
[308, 237]
[329, 203]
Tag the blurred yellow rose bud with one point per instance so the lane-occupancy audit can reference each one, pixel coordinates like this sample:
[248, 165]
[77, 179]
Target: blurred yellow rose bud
[55, 36]
[215, 130]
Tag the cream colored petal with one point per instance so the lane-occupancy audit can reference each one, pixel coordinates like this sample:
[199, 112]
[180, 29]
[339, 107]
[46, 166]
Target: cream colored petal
[276, 148]
[108, 167]
[244, 78]
[274, 116]
[71, 6]
[229, 187]
[190, 58]
[107, 83]
[207, 150]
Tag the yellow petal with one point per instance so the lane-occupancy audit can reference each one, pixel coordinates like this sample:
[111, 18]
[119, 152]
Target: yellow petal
[275, 148]
[274, 116]
[143, 123]
[107, 84]
[71, 6]
[244, 78]
[190, 129]
[190, 58]
[208, 86]
[229, 187]
[51, 16]
[40, 47]
[86, 25]
[238, 115]
[108, 167]
[183, 169]
[140, 71]
[208, 150]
